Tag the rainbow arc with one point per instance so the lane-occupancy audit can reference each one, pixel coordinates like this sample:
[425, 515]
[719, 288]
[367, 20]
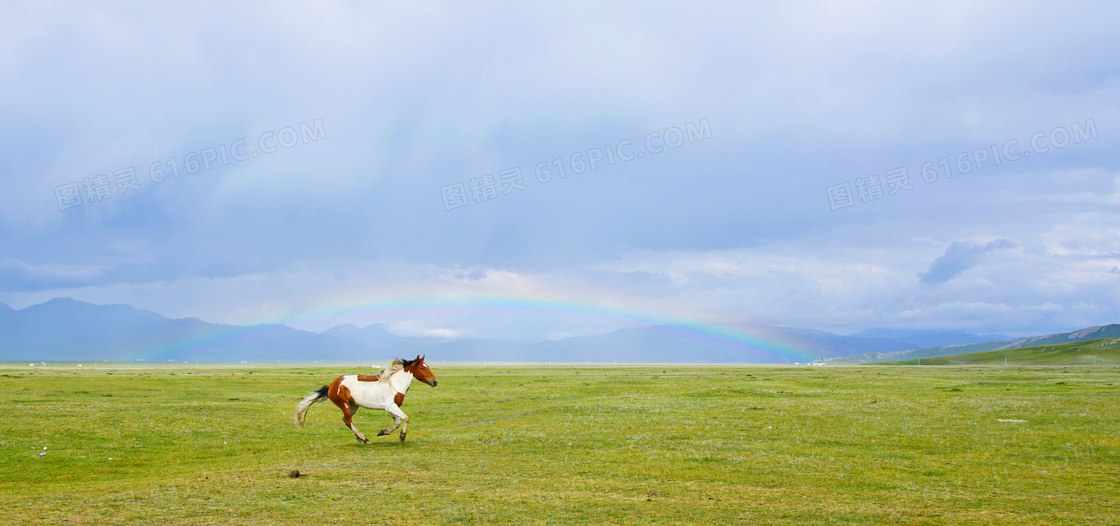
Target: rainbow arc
[750, 340]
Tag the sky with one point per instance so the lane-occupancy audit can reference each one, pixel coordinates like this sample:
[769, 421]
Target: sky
[530, 172]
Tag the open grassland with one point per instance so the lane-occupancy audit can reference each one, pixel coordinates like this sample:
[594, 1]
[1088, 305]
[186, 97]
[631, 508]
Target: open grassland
[586, 445]
[1090, 352]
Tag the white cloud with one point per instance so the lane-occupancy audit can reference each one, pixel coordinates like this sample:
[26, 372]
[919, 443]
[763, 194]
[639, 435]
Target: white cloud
[420, 328]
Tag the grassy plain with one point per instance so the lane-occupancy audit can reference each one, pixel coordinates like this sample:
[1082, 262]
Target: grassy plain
[578, 445]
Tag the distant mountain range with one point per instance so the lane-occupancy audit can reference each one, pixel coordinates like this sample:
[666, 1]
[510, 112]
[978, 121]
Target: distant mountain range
[1089, 333]
[65, 329]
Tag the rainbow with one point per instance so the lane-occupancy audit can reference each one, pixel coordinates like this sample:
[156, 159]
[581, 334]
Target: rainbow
[751, 342]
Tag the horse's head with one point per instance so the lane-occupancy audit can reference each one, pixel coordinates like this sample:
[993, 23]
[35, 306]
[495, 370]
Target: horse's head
[421, 372]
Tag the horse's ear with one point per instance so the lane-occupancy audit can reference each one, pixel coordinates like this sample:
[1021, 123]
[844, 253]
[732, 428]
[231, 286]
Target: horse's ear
[419, 358]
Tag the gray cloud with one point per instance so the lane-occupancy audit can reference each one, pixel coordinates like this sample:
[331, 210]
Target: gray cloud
[959, 257]
[414, 99]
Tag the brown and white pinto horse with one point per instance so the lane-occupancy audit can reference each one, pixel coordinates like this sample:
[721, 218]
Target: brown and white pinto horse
[383, 391]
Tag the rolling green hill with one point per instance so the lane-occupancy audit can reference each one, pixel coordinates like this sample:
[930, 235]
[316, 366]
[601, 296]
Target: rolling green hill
[1048, 340]
[1104, 351]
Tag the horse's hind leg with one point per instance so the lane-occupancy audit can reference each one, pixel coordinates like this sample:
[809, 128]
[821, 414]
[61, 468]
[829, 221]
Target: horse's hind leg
[341, 398]
[348, 418]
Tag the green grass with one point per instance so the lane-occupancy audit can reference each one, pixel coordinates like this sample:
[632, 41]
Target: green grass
[1089, 352]
[524, 445]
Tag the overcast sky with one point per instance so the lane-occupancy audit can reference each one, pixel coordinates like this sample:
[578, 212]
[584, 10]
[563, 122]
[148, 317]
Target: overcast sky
[531, 171]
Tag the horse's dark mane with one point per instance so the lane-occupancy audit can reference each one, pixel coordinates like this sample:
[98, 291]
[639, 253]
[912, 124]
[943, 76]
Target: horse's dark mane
[406, 363]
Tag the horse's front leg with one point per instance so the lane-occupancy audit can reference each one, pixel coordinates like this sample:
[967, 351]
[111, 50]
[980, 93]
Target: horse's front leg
[387, 430]
[400, 419]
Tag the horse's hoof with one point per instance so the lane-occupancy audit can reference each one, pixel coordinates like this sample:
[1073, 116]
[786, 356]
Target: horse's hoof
[402, 437]
[383, 432]
[366, 441]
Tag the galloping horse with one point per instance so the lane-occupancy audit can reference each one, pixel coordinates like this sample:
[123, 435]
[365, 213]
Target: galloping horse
[383, 391]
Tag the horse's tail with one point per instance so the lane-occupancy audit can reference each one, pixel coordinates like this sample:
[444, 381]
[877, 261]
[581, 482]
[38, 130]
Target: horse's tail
[308, 401]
